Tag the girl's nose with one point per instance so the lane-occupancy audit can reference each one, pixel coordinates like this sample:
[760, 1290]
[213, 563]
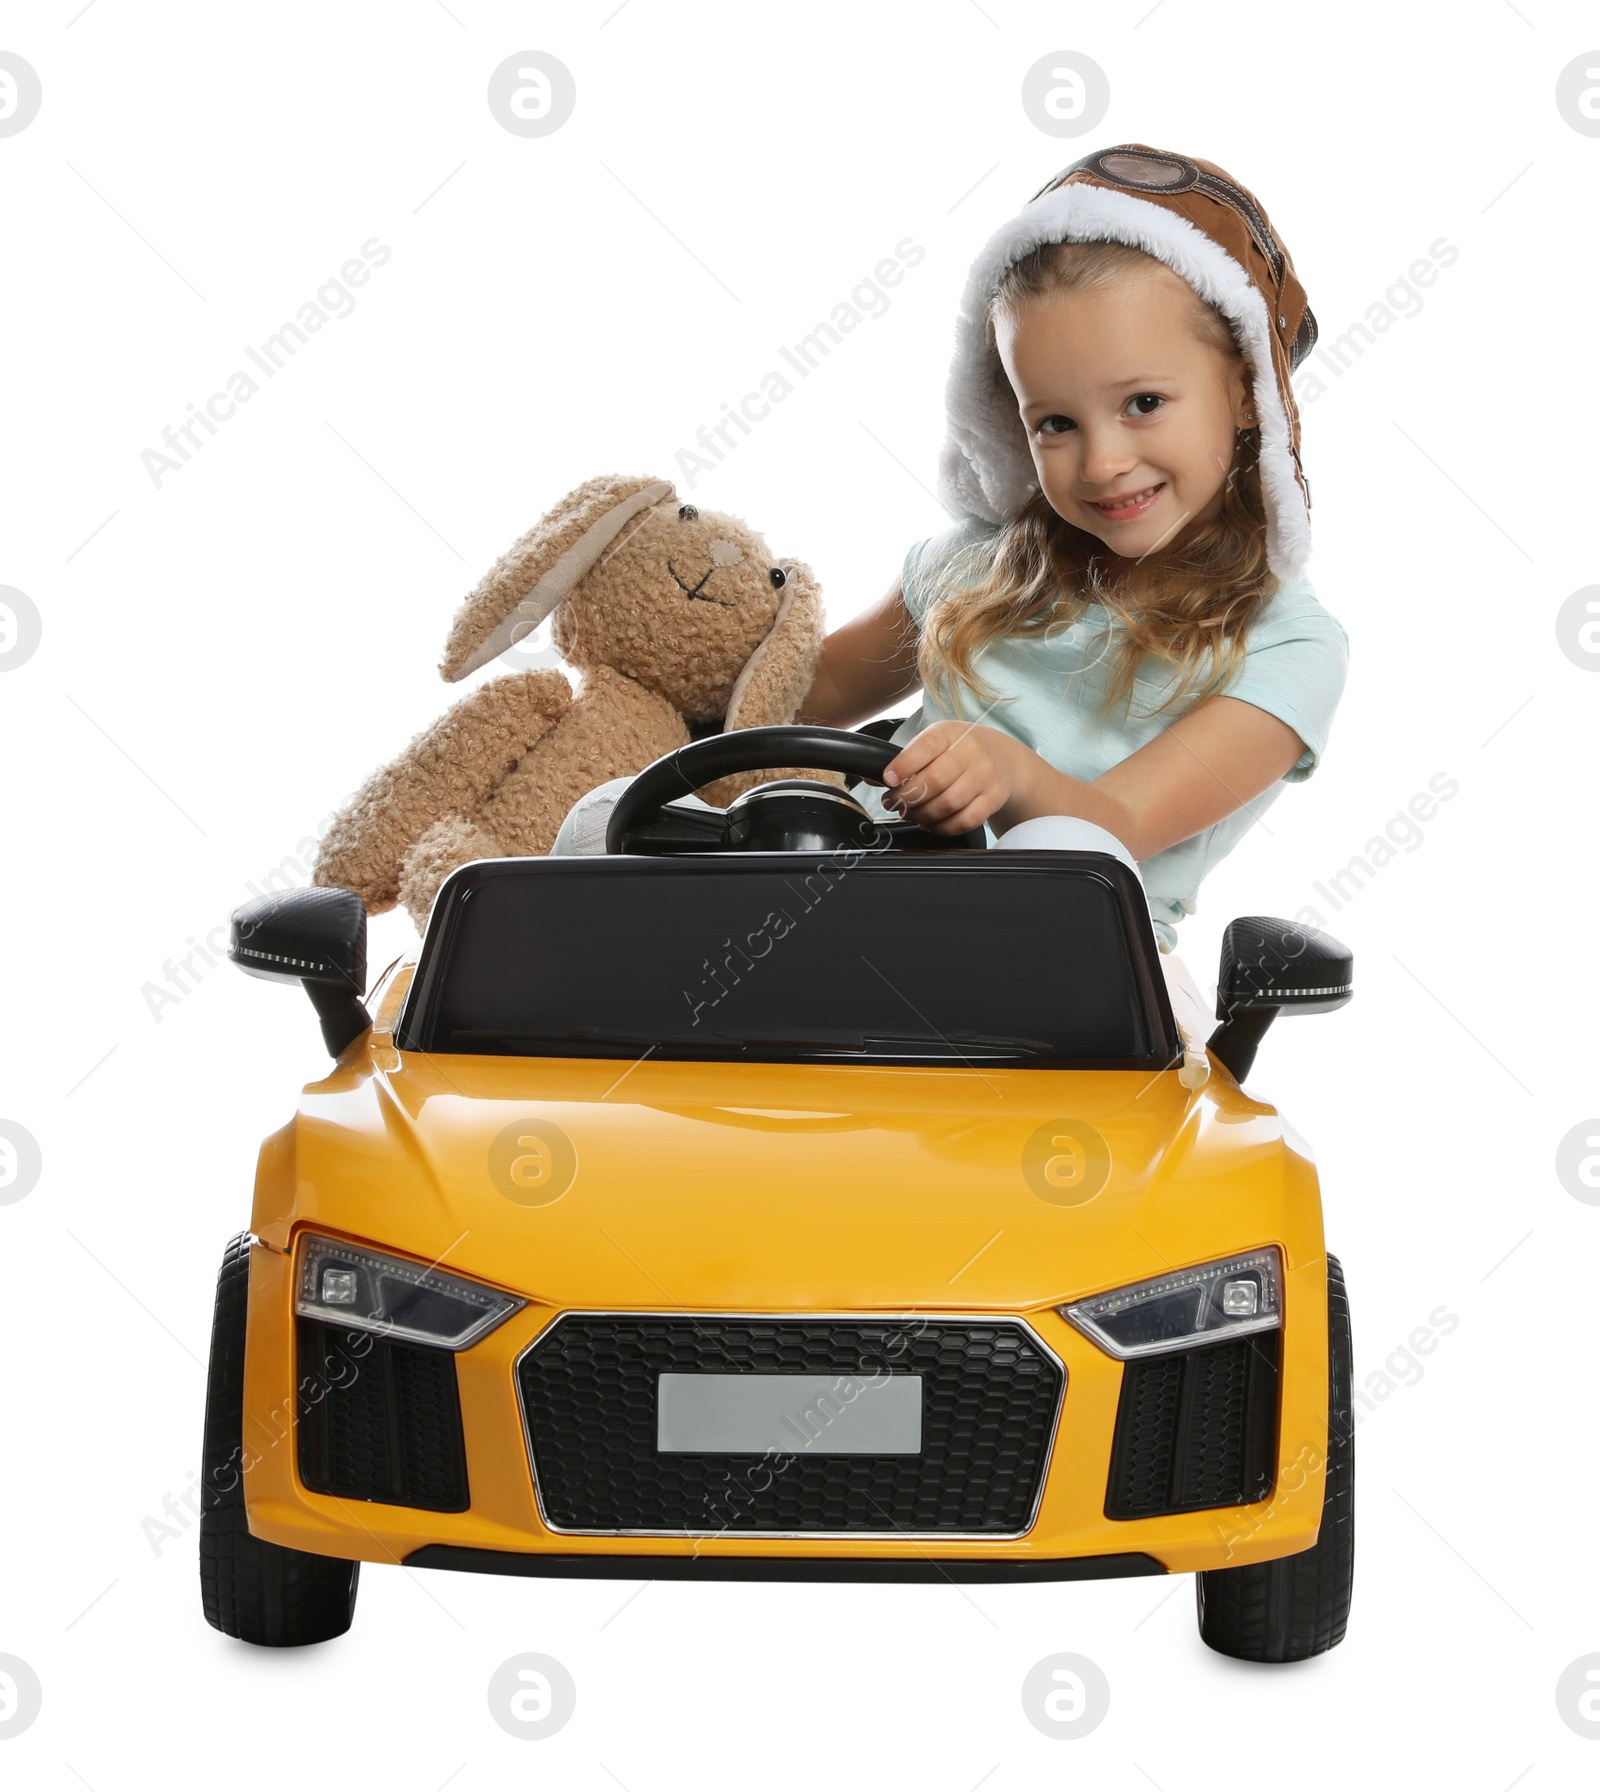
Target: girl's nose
[1105, 458]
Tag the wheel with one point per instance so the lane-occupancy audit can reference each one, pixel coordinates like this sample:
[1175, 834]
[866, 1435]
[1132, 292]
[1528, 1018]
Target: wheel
[788, 814]
[1296, 1606]
[258, 1592]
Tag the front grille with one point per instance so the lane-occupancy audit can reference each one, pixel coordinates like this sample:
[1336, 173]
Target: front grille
[379, 1419]
[990, 1392]
[1196, 1428]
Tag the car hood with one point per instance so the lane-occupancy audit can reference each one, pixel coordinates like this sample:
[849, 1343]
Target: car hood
[783, 1186]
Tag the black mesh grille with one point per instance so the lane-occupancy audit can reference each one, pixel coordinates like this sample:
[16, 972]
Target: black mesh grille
[1197, 1428]
[379, 1420]
[990, 1395]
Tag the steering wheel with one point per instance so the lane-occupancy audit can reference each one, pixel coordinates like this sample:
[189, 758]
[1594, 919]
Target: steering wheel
[785, 815]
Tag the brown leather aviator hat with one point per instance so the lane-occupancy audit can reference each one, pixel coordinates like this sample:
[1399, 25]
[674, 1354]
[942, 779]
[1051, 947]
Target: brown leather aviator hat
[1202, 224]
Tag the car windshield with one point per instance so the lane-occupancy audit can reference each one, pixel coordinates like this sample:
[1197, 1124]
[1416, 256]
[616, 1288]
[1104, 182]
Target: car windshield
[1027, 959]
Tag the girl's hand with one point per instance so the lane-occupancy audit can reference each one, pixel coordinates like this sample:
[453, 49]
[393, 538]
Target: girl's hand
[955, 775]
[1210, 762]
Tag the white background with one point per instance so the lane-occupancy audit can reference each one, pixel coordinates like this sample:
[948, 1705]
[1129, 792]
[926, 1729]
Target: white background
[227, 655]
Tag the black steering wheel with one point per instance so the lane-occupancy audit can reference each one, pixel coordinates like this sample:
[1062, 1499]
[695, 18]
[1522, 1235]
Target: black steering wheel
[785, 815]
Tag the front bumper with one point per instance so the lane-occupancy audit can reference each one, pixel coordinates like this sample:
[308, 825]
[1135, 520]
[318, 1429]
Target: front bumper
[503, 1528]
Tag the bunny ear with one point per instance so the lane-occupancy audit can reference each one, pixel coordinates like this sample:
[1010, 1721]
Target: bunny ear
[527, 582]
[778, 675]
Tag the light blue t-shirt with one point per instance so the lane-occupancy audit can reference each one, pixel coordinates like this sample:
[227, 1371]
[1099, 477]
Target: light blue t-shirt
[1294, 668]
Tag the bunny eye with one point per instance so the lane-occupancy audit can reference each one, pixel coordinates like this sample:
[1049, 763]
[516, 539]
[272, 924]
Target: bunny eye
[779, 576]
[687, 513]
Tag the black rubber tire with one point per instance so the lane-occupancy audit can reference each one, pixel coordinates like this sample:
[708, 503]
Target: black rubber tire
[1297, 1606]
[259, 1592]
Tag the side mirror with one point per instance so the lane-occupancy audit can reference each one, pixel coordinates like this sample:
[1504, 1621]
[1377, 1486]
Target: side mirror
[316, 937]
[1270, 968]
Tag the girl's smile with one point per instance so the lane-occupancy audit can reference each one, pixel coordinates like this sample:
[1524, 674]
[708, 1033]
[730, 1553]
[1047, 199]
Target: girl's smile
[1124, 509]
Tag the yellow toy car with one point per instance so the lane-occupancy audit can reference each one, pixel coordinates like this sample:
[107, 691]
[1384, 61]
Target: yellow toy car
[782, 1194]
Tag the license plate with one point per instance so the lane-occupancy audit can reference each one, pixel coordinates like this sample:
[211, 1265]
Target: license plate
[818, 1415]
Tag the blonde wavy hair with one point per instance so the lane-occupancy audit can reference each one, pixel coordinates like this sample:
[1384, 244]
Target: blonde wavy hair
[1196, 600]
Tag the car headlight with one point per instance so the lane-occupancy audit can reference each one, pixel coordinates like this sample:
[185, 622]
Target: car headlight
[346, 1284]
[1205, 1304]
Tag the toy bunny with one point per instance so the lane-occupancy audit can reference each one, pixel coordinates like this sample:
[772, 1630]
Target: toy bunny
[677, 619]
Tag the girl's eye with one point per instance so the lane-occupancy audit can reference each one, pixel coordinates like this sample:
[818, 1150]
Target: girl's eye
[1057, 425]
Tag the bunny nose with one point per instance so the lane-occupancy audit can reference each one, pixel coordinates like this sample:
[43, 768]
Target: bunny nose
[725, 553]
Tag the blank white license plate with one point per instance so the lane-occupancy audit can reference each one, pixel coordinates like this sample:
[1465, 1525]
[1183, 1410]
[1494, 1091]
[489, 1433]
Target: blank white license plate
[819, 1415]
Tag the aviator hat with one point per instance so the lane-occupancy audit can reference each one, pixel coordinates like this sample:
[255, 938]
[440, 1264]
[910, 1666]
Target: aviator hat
[1202, 224]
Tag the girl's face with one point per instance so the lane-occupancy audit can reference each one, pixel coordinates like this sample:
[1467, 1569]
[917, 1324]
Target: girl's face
[1121, 399]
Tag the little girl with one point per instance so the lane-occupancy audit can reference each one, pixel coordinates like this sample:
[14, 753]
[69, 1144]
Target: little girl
[1123, 449]
[1115, 644]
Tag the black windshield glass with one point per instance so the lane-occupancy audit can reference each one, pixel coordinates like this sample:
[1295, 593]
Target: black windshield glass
[1026, 960]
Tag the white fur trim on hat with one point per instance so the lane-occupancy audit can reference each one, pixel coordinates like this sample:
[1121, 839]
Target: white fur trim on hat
[985, 469]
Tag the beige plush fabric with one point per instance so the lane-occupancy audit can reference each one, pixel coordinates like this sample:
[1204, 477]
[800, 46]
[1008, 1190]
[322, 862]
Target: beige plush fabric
[776, 679]
[669, 615]
[451, 768]
[539, 569]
